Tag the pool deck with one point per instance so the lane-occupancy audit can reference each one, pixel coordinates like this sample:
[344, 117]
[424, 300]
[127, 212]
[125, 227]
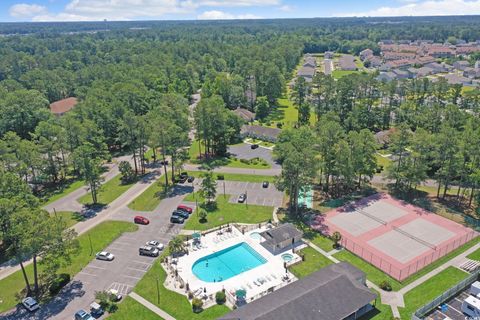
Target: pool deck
[256, 281]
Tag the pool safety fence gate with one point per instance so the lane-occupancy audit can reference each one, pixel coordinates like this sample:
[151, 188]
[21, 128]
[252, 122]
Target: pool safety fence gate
[450, 293]
[394, 270]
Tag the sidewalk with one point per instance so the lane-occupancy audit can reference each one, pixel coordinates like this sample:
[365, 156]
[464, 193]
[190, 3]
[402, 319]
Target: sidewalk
[151, 306]
[262, 172]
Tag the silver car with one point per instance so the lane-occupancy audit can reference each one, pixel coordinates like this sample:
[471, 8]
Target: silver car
[155, 244]
[104, 255]
[30, 304]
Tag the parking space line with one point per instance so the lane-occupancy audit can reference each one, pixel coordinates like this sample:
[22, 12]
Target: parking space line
[95, 267]
[88, 274]
[150, 264]
[452, 308]
[138, 278]
[141, 270]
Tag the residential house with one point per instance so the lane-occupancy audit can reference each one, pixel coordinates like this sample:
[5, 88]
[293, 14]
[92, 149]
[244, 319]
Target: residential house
[307, 73]
[328, 55]
[365, 54]
[471, 73]
[413, 72]
[424, 71]
[260, 132]
[388, 56]
[245, 114]
[347, 62]
[467, 50]
[436, 67]
[386, 76]
[61, 107]
[456, 79]
[310, 61]
[401, 74]
[335, 292]
[424, 60]
[461, 65]
[441, 52]
[374, 61]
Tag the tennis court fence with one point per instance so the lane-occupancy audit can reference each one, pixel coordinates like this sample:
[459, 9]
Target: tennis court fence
[401, 273]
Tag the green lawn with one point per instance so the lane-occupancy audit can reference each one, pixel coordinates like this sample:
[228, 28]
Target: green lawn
[383, 161]
[71, 218]
[63, 191]
[377, 276]
[381, 311]
[430, 289]
[474, 255]
[337, 74]
[253, 164]
[314, 261]
[313, 236]
[236, 176]
[150, 198]
[191, 197]
[131, 309]
[228, 213]
[173, 303]
[101, 236]
[109, 191]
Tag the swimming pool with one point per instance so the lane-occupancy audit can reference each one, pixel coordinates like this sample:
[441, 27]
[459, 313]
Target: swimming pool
[227, 263]
[306, 198]
[287, 257]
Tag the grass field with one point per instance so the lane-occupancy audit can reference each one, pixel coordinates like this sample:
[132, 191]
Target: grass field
[314, 261]
[383, 161]
[131, 309]
[150, 198]
[101, 236]
[430, 289]
[337, 74]
[236, 176]
[175, 304]
[71, 218]
[377, 276]
[381, 311]
[109, 191]
[474, 255]
[62, 192]
[228, 213]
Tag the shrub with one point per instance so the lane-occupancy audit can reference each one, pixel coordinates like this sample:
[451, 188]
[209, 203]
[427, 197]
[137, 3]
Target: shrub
[279, 125]
[190, 295]
[220, 297]
[202, 215]
[245, 161]
[197, 305]
[59, 283]
[385, 285]
[220, 177]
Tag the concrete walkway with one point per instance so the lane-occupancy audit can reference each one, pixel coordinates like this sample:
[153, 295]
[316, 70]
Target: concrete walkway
[151, 306]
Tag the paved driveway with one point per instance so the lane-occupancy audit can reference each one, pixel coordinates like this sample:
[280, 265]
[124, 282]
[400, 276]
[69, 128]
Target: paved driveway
[256, 194]
[122, 273]
[243, 151]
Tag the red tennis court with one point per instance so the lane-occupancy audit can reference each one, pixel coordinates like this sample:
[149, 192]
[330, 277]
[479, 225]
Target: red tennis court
[394, 236]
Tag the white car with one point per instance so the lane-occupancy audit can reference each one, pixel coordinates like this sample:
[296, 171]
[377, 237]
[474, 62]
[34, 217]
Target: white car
[155, 244]
[104, 255]
[115, 295]
[30, 304]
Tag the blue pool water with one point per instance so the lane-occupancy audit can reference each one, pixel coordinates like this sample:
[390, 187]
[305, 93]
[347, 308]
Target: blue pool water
[227, 263]
[306, 198]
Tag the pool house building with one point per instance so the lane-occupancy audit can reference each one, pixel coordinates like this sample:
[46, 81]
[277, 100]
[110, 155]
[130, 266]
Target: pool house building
[285, 236]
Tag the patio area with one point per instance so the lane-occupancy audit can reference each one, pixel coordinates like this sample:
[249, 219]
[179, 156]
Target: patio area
[212, 265]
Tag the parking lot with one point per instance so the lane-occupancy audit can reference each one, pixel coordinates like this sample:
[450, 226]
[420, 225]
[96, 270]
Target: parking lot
[122, 274]
[452, 309]
[255, 192]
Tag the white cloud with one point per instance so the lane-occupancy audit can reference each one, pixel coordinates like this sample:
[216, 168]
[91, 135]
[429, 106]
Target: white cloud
[24, 10]
[424, 8]
[286, 8]
[81, 10]
[221, 15]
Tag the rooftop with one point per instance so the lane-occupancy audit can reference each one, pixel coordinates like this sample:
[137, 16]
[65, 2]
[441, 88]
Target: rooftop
[332, 293]
[281, 233]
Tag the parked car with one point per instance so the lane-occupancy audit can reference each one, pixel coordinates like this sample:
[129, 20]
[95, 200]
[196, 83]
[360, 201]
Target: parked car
[191, 179]
[242, 198]
[114, 295]
[96, 310]
[254, 146]
[148, 251]
[184, 175]
[104, 255]
[181, 213]
[176, 219]
[155, 244]
[141, 220]
[265, 184]
[30, 304]
[83, 315]
[185, 208]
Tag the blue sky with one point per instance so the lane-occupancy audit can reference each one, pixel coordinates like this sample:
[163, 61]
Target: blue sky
[77, 10]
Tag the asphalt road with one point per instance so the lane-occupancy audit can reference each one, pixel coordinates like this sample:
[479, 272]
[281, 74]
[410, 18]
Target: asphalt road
[122, 273]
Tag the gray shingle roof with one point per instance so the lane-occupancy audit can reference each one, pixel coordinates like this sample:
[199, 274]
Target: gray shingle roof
[331, 293]
[281, 233]
[260, 131]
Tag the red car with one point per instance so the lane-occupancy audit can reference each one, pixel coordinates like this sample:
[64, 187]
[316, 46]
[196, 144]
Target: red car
[141, 220]
[185, 208]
